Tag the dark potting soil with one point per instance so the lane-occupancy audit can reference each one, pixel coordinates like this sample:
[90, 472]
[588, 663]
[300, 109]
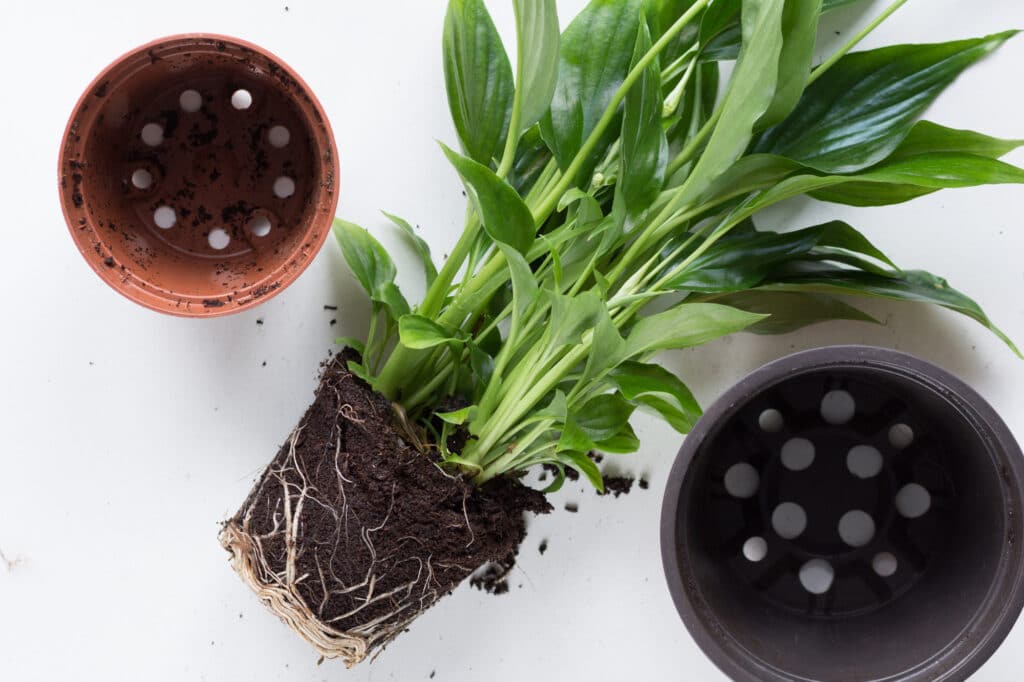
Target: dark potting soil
[617, 485]
[493, 578]
[382, 531]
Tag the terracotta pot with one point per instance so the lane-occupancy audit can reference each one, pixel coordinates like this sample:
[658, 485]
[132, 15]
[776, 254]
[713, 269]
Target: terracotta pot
[847, 513]
[198, 175]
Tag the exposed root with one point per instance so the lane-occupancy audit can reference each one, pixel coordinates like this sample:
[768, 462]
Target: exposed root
[351, 532]
[10, 564]
[278, 590]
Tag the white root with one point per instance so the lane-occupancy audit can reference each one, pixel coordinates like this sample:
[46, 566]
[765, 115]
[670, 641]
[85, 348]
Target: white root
[279, 589]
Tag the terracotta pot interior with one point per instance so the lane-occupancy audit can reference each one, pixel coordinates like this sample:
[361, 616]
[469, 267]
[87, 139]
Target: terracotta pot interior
[203, 174]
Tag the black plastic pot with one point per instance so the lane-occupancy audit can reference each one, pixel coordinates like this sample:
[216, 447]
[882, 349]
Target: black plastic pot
[848, 514]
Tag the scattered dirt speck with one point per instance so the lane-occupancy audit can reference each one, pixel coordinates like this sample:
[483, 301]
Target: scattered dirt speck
[543, 547]
[572, 507]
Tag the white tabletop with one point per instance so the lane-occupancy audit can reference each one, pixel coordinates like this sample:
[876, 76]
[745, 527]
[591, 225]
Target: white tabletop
[128, 435]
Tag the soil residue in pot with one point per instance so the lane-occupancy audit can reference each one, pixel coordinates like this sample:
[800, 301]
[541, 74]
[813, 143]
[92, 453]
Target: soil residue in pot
[351, 533]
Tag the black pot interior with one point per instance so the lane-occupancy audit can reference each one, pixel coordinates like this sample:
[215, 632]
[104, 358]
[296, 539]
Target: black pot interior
[842, 524]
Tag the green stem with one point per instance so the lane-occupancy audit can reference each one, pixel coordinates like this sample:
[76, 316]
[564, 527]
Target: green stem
[852, 43]
[569, 177]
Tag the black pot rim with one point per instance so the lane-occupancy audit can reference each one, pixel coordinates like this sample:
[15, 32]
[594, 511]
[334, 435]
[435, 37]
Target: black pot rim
[995, 617]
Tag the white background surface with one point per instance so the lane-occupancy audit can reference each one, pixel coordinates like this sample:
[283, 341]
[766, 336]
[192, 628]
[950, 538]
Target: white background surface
[127, 436]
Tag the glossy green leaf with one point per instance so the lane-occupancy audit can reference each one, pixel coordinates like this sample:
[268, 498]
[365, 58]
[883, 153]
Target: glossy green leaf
[478, 79]
[504, 215]
[457, 417]
[750, 92]
[644, 145]
[537, 65]
[418, 243]
[912, 285]
[594, 61]
[604, 416]
[925, 138]
[572, 316]
[607, 348]
[371, 265]
[791, 310]
[524, 285]
[351, 342]
[583, 464]
[622, 443]
[865, 106]
[655, 387]
[799, 34]
[418, 332]
[687, 324]
[743, 260]
[931, 138]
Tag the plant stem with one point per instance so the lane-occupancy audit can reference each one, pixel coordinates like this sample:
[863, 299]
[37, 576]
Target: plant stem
[569, 177]
[852, 43]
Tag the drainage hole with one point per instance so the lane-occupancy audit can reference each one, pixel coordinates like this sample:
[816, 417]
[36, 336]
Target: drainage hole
[241, 99]
[190, 101]
[755, 549]
[142, 178]
[284, 187]
[218, 239]
[153, 134]
[742, 480]
[279, 137]
[816, 576]
[165, 217]
[260, 226]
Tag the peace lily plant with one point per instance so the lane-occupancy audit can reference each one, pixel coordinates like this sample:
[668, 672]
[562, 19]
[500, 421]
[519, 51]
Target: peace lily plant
[611, 169]
[614, 178]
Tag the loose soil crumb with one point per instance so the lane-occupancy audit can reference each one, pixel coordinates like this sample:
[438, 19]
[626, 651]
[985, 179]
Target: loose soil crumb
[572, 507]
[493, 578]
[617, 485]
[644, 484]
[543, 547]
[375, 517]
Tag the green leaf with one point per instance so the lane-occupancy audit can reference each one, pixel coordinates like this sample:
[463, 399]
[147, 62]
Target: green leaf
[457, 417]
[537, 66]
[657, 388]
[967, 147]
[421, 246]
[644, 145]
[352, 342]
[572, 316]
[504, 215]
[559, 481]
[743, 260]
[603, 417]
[720, 15]
[594, 61]
[607, 349]
[478, 78]
[930, 138]
[622, 443]
[790, 311]
[917, 176]
[524, 286]
[687, 324]
[418, 332]
[583, 464]
[799, 33]
[912, 285]
[365, 256]
[859, 113]
[750, 92]
[371, 265]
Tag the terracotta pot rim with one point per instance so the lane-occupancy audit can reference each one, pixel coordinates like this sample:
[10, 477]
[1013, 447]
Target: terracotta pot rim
[215, 306]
